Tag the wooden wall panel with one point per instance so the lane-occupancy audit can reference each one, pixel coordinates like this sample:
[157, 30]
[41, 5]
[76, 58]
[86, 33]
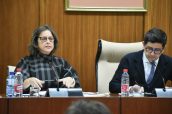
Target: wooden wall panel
[78, 32]
[90, 31]
[160, 15]
[52, 13]
[71, 42]
[121, 27]
[108, 26]
[18, 18]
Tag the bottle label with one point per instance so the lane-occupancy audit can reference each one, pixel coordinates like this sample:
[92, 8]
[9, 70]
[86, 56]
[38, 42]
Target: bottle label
[124, 88]
[9, 81]
[18, 88]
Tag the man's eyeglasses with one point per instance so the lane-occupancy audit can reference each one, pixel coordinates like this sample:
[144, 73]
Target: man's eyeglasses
[155, 50]
[44, 38]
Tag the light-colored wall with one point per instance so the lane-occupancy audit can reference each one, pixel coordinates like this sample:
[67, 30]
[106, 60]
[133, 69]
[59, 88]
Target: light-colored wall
[78, 32]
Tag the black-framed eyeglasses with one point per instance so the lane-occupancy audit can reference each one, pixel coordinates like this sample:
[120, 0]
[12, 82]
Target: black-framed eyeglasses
[44, 38]
[155, 50]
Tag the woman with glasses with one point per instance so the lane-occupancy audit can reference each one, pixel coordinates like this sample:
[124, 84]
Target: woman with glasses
[42, 69]
[148, 68]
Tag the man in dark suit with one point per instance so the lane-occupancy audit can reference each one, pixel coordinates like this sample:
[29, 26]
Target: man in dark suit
[139, 64]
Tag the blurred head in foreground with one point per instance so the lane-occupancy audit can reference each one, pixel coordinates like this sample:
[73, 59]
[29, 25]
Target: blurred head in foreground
[87, 107]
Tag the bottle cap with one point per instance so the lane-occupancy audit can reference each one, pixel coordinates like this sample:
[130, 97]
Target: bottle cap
[125, 70]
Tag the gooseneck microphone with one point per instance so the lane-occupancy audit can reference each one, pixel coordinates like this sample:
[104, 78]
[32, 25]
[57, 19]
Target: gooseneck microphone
[56, 75]
[163, 80]
[164, 89]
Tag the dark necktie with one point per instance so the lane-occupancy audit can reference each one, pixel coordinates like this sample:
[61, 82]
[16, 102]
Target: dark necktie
[151, 72]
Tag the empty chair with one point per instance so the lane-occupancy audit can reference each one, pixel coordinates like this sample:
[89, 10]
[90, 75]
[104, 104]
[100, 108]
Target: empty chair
[108, 57]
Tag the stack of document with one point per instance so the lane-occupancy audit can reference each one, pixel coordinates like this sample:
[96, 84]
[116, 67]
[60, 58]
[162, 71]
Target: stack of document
[95, 94]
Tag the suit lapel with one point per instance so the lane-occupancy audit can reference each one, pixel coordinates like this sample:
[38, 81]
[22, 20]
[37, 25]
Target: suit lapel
[140, 76]
[160, 70]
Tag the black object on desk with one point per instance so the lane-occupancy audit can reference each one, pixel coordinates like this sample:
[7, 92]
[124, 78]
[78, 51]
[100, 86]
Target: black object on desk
[163, 92]
[64, 92]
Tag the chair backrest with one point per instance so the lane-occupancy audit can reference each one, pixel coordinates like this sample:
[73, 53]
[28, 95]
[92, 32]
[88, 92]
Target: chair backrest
[108, 57]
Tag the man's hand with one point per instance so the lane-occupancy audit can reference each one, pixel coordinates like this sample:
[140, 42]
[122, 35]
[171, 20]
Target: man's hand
[68, 82]
[136, 89]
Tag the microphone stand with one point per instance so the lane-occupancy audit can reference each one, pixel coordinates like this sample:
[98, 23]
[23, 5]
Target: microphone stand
[163, 92]
[164, 89]
[56, 75]
[163, 81]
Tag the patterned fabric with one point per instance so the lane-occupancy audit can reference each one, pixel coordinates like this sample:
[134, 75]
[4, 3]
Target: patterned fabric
[42, 66]
[151, 72]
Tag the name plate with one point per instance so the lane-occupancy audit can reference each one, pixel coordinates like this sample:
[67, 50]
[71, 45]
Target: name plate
[64, 92]
[160, 92]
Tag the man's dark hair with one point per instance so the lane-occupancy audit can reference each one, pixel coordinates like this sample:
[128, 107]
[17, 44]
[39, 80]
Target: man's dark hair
[87, 107]
[155, 35]
[33, 47]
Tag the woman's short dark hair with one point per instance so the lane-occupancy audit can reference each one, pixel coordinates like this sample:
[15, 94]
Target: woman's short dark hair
[155, 35]
[87, 107]
[33, 47]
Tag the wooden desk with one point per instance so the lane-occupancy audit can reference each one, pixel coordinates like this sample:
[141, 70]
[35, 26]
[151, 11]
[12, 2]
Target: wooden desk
[146, 105]
[55, 105]
[118, 105]
[3, 106]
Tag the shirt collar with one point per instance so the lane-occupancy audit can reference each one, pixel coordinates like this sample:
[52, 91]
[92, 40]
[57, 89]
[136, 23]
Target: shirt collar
[145, 60]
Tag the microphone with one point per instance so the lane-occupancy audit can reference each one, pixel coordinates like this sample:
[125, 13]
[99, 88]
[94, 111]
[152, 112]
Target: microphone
[164, 89]
[165, 92]
[163, 80]
[56, 75]
[154, 92]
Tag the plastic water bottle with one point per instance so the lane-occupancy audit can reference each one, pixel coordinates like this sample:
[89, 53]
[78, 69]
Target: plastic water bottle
[125, 83]
[18, 85]
[10, 85]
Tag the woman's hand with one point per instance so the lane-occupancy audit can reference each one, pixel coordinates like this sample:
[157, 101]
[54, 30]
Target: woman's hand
[68, 82]
[34, 82]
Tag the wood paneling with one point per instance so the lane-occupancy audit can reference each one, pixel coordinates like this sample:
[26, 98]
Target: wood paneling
[78, 32]
[160, 15]
[90, 32]
[121, 27]
[145, 105]
[3, 105]
[18, 18]
[117, 105]
[55, 105]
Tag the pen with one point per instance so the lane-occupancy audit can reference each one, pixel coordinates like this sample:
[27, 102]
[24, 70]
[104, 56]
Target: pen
[136, 83]
[48, 80]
